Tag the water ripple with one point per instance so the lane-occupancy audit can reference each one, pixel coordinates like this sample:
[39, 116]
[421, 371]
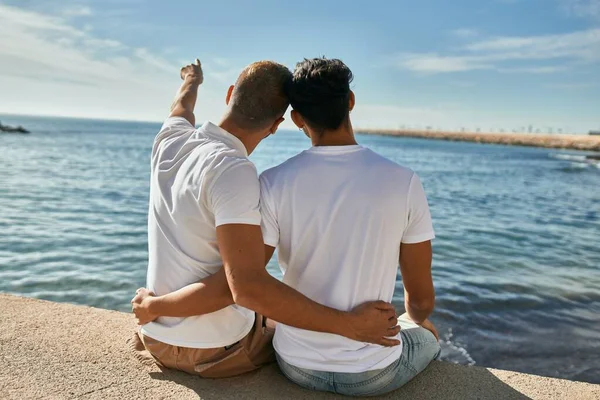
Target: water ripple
[516, 258]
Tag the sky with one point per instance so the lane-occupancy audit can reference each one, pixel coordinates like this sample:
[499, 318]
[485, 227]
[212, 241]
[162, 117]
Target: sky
[487, 64]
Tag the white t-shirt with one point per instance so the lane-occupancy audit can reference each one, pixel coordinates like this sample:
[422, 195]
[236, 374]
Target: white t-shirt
[196, 177]
[337, 216]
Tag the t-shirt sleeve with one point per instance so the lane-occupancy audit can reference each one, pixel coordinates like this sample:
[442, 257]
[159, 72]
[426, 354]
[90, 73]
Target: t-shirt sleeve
[270, 227]
[173, 126]
[419, 227]
[235, 195]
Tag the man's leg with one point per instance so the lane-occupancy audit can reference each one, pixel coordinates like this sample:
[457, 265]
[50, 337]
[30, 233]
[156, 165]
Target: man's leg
[419, 348]
[250, 353]
[313, 380]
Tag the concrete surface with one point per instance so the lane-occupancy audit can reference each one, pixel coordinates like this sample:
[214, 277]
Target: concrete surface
[61, 351]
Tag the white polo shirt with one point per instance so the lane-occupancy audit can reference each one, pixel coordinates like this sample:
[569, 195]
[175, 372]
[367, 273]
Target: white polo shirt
[194, 184]
[337, 216]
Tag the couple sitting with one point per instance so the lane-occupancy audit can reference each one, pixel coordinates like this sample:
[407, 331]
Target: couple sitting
[341, 216]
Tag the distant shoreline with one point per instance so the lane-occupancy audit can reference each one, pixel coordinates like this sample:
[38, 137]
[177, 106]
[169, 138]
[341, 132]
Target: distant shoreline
[570, 142]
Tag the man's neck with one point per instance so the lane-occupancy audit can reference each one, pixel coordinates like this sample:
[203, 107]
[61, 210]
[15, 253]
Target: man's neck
[343, 136]
[228, 125]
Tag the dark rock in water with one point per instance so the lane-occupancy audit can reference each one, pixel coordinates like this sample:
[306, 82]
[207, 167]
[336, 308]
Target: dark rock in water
[11, 129]
[593, 157]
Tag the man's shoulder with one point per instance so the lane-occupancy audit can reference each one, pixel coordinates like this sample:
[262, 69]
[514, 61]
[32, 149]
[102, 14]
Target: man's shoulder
[232, 163]
[172, 127]
[387, 166]
[275, 174]
[178, 122]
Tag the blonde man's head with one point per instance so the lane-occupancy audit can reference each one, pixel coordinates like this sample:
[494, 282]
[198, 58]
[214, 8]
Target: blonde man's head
[258, 97]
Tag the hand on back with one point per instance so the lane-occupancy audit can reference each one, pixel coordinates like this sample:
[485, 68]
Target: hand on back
[374, 322]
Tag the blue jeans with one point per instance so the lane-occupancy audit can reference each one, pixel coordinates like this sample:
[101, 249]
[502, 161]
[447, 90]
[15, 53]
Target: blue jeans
[419, 348]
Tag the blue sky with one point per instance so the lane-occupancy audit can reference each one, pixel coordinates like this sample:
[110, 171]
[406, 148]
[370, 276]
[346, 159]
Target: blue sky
[449, 64]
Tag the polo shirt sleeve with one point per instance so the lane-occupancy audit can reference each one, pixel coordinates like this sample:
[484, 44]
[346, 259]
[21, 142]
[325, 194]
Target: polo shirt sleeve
[235, 195]
[419, 227]
[270, 226]
[173, 126]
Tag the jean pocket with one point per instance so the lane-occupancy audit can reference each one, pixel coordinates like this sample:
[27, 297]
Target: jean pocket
[305, 378]
[370, 383]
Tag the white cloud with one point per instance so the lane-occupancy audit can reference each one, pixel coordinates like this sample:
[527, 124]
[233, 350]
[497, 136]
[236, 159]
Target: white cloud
[494, 53]
[581, 45]
[77, 11]
[48, 66]
[155, 61]
[583, 8]
[465, 33]
[435, 63]
[533, 70]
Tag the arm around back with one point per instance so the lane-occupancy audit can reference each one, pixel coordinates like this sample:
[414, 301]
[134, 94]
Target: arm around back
[241, 247]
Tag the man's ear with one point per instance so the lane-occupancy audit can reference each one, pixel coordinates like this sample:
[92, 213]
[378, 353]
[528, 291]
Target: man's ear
[351, 101]
[276, 124]
[228, 98]
[297, 119]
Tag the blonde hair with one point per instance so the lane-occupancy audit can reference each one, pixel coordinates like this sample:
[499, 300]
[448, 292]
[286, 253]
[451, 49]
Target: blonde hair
[258, 97]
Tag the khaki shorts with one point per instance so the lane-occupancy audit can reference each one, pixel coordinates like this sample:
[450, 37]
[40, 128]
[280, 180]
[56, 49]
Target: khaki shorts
[250, 353]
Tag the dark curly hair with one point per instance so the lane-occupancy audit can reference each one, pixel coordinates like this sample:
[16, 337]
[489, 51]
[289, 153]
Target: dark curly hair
[320, 91]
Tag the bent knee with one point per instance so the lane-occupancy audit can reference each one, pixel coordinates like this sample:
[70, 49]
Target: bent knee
[423, 345]
[430, 344]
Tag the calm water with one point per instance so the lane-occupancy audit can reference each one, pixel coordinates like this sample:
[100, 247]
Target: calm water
[516, 263]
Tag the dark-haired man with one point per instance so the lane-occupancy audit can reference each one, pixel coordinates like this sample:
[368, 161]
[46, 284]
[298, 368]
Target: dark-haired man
[204, 214]
[364, 214]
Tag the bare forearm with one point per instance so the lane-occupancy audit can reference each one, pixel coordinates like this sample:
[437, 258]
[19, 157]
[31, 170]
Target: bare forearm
[273, 299]
[204, 297]
[418, 312]
[252, 287]
[185, 100]
[419, 293]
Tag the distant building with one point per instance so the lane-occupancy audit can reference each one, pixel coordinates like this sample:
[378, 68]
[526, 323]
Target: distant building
[595, 133]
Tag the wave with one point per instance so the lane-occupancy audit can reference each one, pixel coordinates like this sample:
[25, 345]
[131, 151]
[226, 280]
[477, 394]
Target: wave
[577, 162]
[454, 351]
[569, 157]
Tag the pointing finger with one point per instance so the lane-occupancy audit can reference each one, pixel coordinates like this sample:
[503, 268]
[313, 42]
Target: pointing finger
[197, 62]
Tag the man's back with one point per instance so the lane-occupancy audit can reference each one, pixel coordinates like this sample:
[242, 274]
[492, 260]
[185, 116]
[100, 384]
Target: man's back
[338, 215]
[182, 241]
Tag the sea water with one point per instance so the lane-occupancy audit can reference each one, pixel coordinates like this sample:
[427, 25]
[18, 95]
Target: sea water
[516, 259]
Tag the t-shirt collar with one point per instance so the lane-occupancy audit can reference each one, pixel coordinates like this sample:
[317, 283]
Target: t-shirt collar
[231, 139]
[335, 149]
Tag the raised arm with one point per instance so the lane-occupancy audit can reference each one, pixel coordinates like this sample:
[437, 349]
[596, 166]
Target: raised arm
[185, 100]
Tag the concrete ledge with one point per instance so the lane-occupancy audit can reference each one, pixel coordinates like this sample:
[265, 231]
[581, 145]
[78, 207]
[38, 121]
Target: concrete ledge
[62, 351]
